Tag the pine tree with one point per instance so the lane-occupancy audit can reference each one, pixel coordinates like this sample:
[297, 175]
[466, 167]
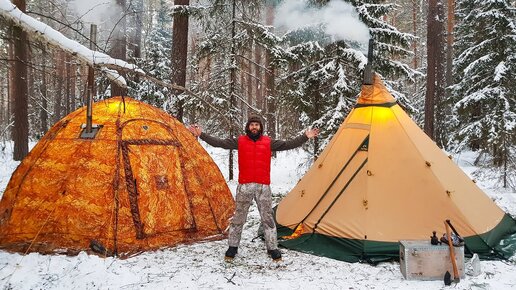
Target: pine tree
[485, 90]
[325, 76]
[219, 53]
[157, 61]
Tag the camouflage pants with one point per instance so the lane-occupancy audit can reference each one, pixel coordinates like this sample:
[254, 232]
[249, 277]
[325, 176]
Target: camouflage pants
[261, 193]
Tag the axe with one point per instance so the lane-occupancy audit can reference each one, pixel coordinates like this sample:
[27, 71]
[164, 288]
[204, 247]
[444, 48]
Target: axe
[456, 277]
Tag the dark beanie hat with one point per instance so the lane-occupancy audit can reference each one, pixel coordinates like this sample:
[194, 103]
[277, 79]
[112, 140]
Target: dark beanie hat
[254, 118]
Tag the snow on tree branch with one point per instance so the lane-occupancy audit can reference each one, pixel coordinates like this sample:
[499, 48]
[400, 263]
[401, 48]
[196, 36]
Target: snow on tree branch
[52, 37]
[101, 61]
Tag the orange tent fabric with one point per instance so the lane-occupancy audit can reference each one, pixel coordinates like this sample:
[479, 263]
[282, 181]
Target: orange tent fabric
[142, 183]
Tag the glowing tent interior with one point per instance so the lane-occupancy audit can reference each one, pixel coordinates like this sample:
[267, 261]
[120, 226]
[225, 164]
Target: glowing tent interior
[143, 182]
[381, 180]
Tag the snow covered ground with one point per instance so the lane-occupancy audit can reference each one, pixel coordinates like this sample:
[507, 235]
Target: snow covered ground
[201, 265]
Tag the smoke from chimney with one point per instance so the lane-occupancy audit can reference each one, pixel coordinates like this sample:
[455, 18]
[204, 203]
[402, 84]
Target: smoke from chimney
[104, 13]
[340, 19]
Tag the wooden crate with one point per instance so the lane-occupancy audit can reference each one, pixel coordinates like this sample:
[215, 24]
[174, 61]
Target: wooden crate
[420, 260]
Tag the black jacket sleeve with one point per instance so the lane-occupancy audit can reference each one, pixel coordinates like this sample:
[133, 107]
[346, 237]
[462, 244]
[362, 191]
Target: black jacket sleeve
[280, 145]
[229, 143]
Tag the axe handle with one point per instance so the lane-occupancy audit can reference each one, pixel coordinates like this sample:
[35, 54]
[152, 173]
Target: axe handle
[452, 254]
[453, 228]
[458, 235]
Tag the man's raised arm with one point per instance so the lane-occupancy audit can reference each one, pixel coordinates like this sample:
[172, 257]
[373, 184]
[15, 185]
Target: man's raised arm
[229, 143]
[280, 145]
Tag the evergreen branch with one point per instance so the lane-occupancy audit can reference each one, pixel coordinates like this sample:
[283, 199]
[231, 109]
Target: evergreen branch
[252, 76]
[256, 64]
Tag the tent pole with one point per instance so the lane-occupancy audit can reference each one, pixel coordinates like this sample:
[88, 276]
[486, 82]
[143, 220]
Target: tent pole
[91, 82]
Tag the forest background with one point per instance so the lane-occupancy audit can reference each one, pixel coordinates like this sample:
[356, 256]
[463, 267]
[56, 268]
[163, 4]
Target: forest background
[297, 63]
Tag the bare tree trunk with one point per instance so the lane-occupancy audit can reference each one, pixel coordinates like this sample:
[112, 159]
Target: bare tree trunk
[73, 86]
[2, 101]
[449, 42]
[317, 114]
[59, 91]
[68, 89]
[119, 49]
[12, 79]
[269, 83]
[232, 89]
[249, 69]
[414, 31]
[20, 90]
[43, 115]
[440, 75]
[179, 54]
[31, 89]
[2, 107]
[258, 80]
[415, 44]
[431, 66]
[136, 37]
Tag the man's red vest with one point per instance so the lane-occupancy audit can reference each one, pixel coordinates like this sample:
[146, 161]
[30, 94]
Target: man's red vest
[254, 160]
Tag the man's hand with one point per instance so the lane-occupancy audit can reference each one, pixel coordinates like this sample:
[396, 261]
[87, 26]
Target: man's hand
[195, 129]
[311, 133]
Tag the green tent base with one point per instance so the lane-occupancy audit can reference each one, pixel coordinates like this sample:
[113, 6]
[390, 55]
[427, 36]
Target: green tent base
[497, 244]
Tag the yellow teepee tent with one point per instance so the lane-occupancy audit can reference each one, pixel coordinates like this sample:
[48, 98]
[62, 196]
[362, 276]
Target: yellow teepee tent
[381, 180]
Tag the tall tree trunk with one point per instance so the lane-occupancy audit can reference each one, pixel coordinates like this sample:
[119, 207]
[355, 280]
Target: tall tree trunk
[12, 80]
[414, 31]
[440, 75]
[119, 48]
[20, 90]
[269, 83]
[317, 114]
[43, 115]
[232, 88]
[2, 100]
[68, 89]
[136, 36]
[73, 86]
[179, 54]
[3, 105]
[449, 42]
[431, 66]
[258, 80]
[415, 44]
[59, 91]
[249, 69]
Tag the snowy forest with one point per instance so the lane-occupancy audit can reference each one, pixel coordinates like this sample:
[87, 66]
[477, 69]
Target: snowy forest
[297, 63]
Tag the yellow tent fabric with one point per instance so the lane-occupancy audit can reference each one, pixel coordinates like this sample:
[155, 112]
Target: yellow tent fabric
[381, 179]
[142, 183]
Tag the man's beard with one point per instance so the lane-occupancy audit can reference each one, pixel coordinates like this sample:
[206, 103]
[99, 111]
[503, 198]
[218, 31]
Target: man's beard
[254, 135]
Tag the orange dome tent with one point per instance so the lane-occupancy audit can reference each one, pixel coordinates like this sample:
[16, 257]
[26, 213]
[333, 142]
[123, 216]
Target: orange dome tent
[142, 183]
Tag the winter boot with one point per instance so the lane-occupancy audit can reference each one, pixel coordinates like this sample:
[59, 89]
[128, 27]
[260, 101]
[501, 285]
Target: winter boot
[275, 255]
[230, 253]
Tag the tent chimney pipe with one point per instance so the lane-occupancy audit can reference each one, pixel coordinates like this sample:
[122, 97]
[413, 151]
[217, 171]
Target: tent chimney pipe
[368, 70]
[91, 82]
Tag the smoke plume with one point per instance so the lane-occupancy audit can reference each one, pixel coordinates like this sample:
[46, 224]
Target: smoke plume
[99, 12]
[339, 19]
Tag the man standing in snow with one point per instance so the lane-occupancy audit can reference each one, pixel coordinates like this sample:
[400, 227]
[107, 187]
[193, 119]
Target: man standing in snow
[254, 163]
